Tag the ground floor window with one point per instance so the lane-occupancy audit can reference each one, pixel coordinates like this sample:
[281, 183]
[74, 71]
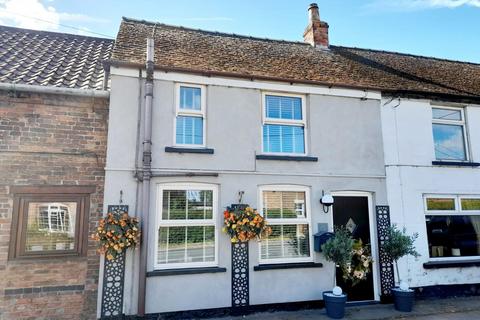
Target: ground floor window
[287, 211]
[453, 225]
[50, 221]
[186, 232]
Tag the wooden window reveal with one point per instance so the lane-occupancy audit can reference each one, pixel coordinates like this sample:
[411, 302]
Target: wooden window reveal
[50, 221]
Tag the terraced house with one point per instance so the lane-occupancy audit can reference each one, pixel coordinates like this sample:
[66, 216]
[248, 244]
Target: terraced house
[53, 131]
[202, 120]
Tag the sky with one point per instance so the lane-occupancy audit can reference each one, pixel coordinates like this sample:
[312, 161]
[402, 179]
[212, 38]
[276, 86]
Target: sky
[440, 28]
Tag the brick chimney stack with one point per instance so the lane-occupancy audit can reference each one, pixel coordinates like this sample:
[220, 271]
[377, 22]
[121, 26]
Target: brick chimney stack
[316, 32]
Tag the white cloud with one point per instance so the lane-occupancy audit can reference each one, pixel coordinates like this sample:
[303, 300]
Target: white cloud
[413, 5]
[34, 14]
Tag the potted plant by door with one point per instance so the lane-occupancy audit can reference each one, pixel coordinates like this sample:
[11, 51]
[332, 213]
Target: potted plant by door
[354, 260]
[398, 245]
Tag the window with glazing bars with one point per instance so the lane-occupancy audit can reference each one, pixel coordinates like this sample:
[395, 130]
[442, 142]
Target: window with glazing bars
[283, 124]
[190, 116]
[449, 134]
[186, 232]
[286, 210]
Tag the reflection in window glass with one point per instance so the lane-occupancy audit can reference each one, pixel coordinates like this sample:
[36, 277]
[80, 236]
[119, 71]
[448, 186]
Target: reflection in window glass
[283, 204]
[187, 204]
[51, 226]
[453, 235]
[441, 204]
[449, 142]
[470, 204]
[286, 241]
[190, 98]
[186, 244]
[446, 114]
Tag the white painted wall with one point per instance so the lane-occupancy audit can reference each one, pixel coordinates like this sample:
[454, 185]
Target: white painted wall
[344, 132]
[409, 152]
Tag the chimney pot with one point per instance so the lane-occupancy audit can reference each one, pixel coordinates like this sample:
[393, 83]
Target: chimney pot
[316, 33]
[313, 14]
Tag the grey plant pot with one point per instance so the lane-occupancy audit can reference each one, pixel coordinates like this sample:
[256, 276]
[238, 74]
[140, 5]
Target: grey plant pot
[335, 305]
[403, 300]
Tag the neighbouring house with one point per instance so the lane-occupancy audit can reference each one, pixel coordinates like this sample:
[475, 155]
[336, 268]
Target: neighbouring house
[201, 120]
[53, 135]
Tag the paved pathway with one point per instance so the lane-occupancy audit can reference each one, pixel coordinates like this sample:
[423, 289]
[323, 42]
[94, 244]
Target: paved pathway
[439, 309]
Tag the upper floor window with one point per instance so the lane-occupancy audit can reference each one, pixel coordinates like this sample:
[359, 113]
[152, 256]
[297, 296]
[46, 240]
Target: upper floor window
[186, 232]
[283, 124]
[190, 116]
[449, 134]
[286, 209]
[453, 225]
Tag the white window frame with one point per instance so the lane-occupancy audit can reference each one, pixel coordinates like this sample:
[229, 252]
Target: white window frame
[190, 113]
[457, 212]
[462, 123]
[272, 222]
[160, 222]
[289, 122]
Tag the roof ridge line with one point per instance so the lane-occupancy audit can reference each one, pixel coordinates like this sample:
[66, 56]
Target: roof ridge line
[409, 55]
[127, 19]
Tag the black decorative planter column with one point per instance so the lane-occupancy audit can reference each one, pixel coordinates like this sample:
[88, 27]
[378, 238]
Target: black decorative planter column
[113, 279]
[240, 269]
[240, 292]
[387, 281]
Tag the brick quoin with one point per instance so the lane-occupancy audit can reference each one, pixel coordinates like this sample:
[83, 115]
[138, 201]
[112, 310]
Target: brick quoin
[50, 139]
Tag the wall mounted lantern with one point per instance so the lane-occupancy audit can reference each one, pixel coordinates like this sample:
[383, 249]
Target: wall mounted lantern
[326, 201]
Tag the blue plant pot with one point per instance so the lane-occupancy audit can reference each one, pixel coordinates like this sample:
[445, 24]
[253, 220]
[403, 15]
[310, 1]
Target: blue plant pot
[403, 300]
[335, 305]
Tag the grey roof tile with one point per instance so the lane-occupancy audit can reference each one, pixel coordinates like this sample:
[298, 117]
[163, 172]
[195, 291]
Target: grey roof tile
[52, 59]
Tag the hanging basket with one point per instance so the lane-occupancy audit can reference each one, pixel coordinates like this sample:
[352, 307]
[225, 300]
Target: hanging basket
[243, 223]
[116, 233]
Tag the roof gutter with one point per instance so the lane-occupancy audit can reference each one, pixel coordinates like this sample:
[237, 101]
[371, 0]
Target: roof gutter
[412, 93]
[415, 94]
[207, 73]
[16, 87]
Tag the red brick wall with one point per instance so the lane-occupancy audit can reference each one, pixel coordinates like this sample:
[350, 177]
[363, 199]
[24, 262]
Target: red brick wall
[50, 140]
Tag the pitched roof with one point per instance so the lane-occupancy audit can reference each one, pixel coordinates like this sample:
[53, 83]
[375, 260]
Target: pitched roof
[204, 51]
[52, 59]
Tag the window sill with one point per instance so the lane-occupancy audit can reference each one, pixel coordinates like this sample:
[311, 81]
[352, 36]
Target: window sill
[455, 164]
[285, 158]
[277, 266]
[189, 150]
[175, 272]
[451, 264]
